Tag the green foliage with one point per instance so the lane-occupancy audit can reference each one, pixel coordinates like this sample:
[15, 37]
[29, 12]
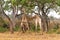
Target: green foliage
[29, 4]
[44, 1]
[6, 7]
[58, 2]
[3, 25]
[13, 2]
[54, 30]
[1, 22]
[23, 2]
[58, 31]
[56, 27]
[2, 29]
[16, 28]
[2, 2]
[33, 29]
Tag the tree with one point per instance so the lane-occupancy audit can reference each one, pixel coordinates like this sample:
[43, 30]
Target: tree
[42, 4]
[3, 15]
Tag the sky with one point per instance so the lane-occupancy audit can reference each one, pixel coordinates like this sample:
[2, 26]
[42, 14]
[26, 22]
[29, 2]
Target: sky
[5, 0]
[51, 13]
[54, 14]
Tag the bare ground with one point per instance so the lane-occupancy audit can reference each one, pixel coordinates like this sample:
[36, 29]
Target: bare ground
[28, 36]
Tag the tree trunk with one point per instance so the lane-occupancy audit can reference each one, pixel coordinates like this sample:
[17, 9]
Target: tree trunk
[44, 17]
[13, 16]
[3, 15]
[44, 20]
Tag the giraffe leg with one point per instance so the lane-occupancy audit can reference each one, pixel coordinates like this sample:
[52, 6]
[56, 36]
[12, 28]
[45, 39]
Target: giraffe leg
[36, 25]
[27, 26]
[22, 27]
[41, 28]
[40, 25]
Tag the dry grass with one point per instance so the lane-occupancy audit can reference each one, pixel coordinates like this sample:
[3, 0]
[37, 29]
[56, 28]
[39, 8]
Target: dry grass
[28, 36]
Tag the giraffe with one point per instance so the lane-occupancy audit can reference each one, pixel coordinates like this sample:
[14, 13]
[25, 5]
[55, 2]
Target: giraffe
[24, 23]
[33, 20]
[37, 21]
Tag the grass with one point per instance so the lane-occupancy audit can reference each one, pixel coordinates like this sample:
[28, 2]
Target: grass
[32, 29]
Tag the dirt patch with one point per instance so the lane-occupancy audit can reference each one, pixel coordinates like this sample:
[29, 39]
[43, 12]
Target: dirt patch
[29, 36]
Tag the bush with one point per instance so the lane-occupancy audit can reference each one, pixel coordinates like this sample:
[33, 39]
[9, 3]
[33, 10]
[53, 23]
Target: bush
[54, 30]
[32, 28]
[2, 29]
[58, 32]
[16, 28]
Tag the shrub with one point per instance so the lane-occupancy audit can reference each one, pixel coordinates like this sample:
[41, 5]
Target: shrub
[2, 29]
[54, 30]
[16, 28]
[32, 28]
